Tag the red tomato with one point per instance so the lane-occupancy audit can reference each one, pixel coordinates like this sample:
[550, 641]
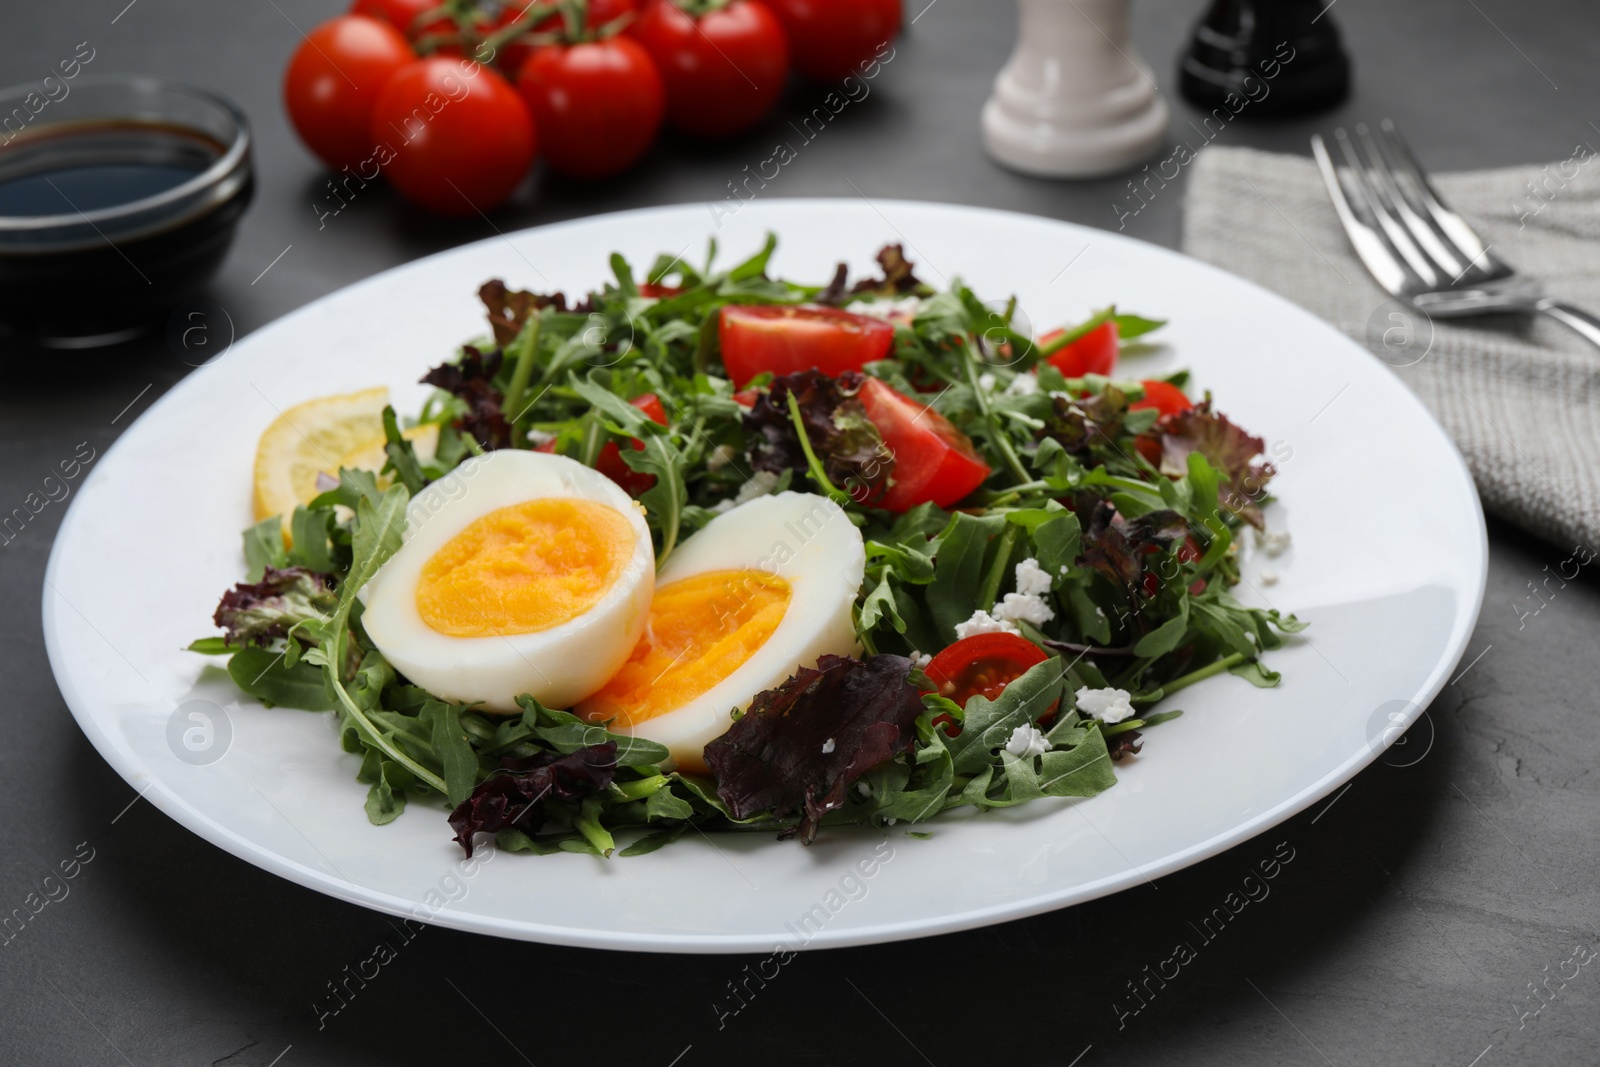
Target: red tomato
[747, 398]
[597, 105]
[832, 38]
[610, 463]
[514, 54]
[1093, 353]
[404, 15]
[1163, 397]
[1149, 446]
[983, 665]
[334, 81]
[786, 338]
[723, 70]
[932, 459]
[461, 138]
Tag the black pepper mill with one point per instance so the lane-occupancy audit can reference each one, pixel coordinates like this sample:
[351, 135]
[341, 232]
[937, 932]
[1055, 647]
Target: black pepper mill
[1278, 57]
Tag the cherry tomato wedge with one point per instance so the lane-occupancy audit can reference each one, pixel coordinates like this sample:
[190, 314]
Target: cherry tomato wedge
[1093, 353]
[983, 665]
[334, 82]
[610, 462]
[1163, 397]
[932, 459]
[785, 339]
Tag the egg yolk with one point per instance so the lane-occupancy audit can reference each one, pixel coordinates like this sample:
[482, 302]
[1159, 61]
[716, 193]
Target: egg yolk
[701, 630]
[525, 568]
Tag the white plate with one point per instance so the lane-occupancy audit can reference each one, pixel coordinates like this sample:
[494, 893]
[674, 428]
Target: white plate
[1387, 565]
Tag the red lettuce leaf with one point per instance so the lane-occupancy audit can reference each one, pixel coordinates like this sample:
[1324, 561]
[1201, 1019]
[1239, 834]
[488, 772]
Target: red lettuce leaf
[516, 796]
[1235, 454]
[472, 380]
[509, 308]
[802, 745]
[1118, 548]
[850, 447]
[255, 613]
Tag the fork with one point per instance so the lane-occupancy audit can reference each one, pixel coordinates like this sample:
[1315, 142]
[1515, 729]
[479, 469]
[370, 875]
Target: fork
[1421, 252]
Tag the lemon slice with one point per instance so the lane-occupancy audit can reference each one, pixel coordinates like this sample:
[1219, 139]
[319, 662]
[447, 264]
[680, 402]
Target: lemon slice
[370, 456]
[311, 438]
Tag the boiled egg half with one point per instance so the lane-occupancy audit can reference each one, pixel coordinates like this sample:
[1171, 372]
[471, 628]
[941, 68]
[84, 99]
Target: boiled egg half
[761, 591]
[521, 572]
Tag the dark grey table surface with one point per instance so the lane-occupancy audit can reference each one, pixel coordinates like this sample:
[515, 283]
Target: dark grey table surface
[1442, 911]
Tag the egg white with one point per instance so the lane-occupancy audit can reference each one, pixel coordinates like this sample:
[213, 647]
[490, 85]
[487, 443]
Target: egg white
[808, 541]
[558, 666]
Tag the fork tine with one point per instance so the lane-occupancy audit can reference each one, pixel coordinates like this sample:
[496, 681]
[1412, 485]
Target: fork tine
[1398, 239]
[1428, 240]
[1385, 266]
[1453, 226]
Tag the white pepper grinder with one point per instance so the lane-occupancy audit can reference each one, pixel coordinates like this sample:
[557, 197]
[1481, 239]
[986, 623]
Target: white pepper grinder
[1075, 100]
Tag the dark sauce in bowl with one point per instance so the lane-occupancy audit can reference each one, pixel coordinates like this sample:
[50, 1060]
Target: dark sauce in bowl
[115, 213]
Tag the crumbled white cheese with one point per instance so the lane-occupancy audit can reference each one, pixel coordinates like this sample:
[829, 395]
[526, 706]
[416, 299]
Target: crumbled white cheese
[987, 382]
[984, 623]
[1269, 577]
[540, 437]
[1107, 705]
[720, 457]
[1024, 607]
[1100, 612]
[1027, 742]
[1024, 384]
[1059, 395]
[905, 307]
[919, 660]
[1032, 578]
[864, 789]
[1273, 542]
[761, 484]
[828, 746]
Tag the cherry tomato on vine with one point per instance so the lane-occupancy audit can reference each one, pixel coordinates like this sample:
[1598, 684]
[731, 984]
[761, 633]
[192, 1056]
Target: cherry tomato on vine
[404, 15]
[515, 53]
[597, 105]
[784, 338]
[983, 665]
[461, 138]
[1093, 353]
[334, 81]
[723, 69]
[829, 39]
[1163, 397]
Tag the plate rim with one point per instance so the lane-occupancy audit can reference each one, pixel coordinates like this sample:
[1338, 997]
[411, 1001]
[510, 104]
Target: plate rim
[152, 788]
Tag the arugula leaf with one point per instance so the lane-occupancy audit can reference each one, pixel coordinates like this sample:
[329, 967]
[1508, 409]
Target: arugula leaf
[988, 724]
[264, 675]
[402, 462]
[263, 548]
[958, 569]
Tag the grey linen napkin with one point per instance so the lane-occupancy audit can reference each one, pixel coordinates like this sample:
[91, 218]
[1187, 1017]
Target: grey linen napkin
[1520, 395]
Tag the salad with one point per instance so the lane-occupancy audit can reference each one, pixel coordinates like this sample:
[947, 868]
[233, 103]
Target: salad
[712, 550]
